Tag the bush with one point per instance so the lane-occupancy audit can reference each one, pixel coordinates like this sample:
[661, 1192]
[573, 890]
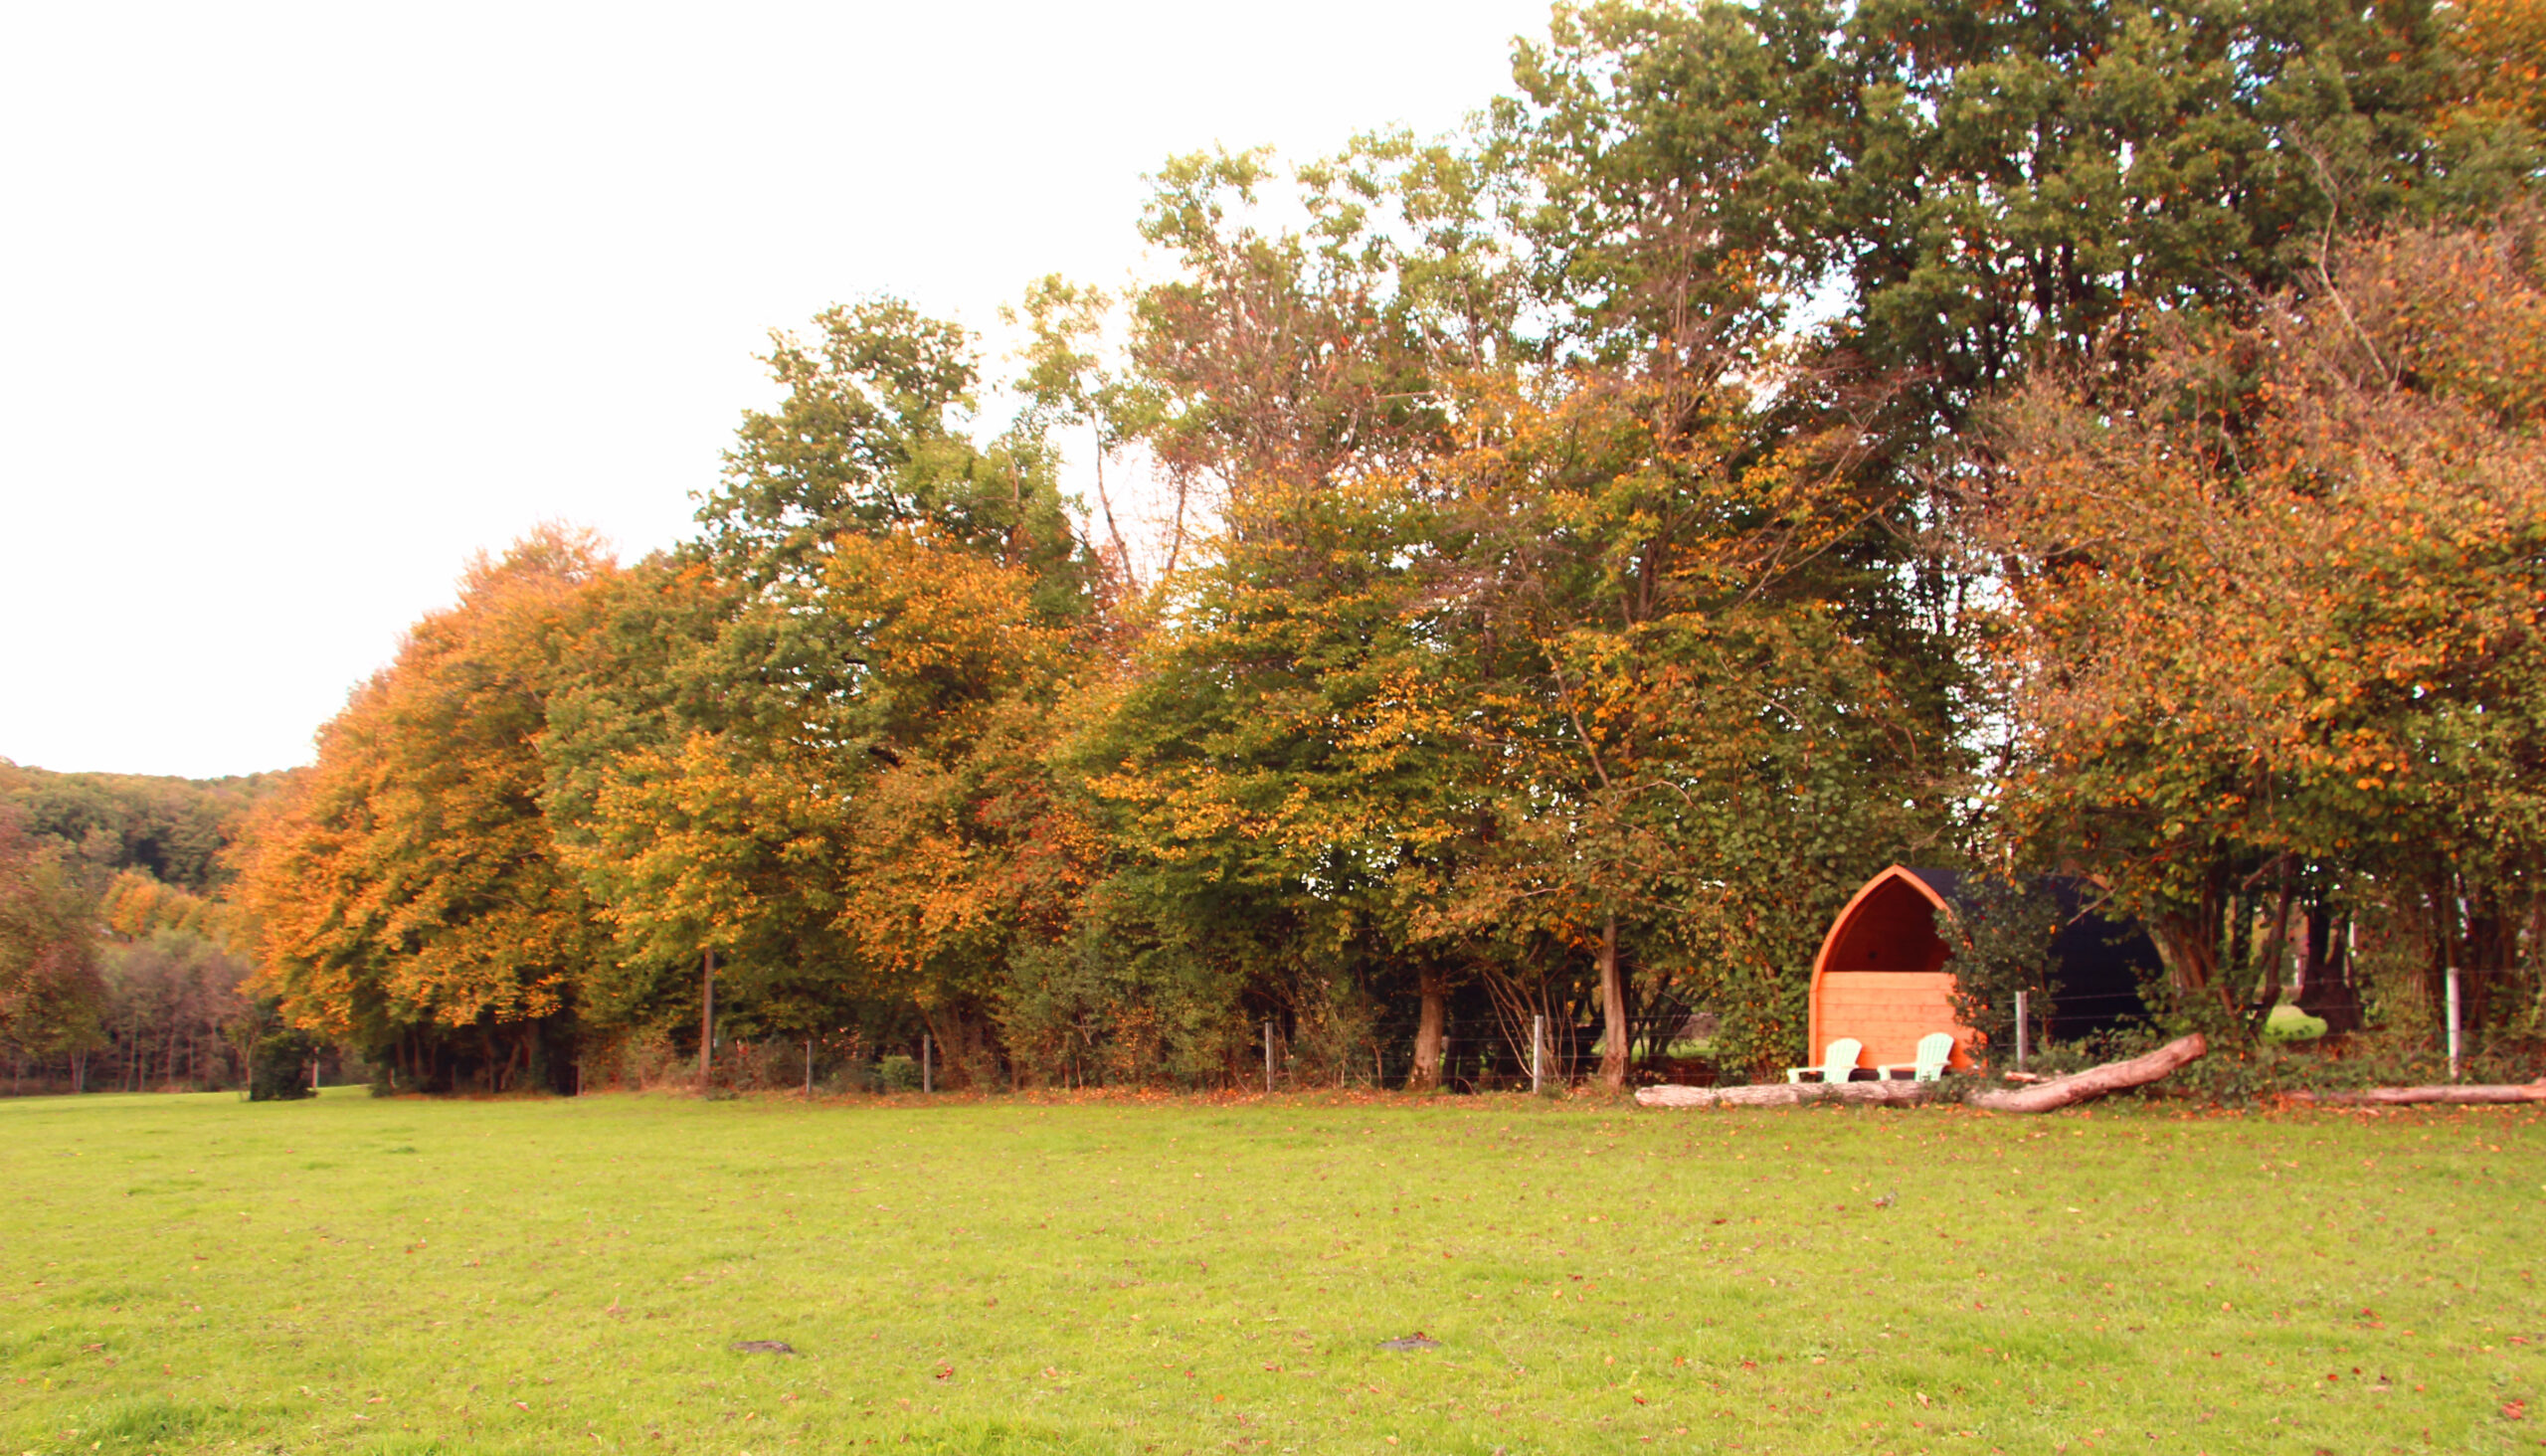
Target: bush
[648, 1060]
[279, 1067]
[898, 1073]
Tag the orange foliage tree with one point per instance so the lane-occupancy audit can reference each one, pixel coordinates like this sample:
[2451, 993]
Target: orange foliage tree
[408, 893]
[2272, 630]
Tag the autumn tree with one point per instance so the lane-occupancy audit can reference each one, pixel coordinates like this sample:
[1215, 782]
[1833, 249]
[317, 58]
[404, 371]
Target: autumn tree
[2272, 624]
[409, 896]
[52, 997]
[1705, 752]
[174, 1013]
[1279, 817]
[811, 742]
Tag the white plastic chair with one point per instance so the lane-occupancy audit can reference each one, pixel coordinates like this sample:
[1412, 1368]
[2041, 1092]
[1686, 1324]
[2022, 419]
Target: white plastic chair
[1936, 1050]
[1836, 1063]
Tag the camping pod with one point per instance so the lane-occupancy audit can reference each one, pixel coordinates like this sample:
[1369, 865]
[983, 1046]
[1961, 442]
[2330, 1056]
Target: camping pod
[1884, 974]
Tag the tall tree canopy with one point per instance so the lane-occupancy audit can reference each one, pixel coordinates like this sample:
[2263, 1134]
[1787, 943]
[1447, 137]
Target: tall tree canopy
[2274, 613]
[410, 893]
[1777, 441]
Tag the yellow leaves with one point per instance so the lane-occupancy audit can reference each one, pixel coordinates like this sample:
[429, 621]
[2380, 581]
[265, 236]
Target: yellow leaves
[134, 905]
[413, 862]
[937, 611]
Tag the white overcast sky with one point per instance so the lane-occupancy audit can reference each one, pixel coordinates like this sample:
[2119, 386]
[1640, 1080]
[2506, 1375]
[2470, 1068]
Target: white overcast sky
[299, 307]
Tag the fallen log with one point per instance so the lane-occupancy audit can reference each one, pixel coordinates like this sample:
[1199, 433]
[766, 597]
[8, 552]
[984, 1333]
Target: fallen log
[1786, 1094]
[2100, 1081]
[2474, 1096]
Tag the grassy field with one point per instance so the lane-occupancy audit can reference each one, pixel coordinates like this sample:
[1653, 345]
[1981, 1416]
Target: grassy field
[200, 1274]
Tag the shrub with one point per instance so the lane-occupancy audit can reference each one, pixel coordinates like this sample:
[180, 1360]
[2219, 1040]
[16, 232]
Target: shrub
[278, 1066]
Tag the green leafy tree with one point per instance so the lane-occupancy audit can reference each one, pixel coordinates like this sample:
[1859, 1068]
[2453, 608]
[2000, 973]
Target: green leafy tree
[808, 744]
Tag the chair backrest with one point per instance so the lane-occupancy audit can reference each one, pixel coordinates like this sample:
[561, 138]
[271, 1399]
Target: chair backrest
[1936, 1049]
[1841, 1059]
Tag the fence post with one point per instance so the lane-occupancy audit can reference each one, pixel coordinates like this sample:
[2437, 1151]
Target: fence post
[927, 1077]
[1268, 1058]
[2020, 1031]
[809, 1069]
[2452, 1023]
[1537, 1054]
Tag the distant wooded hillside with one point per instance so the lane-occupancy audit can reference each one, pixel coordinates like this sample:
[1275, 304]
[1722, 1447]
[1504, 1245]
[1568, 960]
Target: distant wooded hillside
[172, 830]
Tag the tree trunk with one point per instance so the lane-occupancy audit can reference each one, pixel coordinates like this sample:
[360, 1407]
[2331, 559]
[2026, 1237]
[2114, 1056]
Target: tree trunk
[2268, 992]
[2188, 944]
[1429, 1029]
[2459, 1094]
[2098, 1081]
[1615, 1031]
[2237, 959]
[707, 1023]
[1788, 1094]
[2490, 947]
[2327, 991]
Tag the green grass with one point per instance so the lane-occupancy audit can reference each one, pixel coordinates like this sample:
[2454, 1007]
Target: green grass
[200, 1274]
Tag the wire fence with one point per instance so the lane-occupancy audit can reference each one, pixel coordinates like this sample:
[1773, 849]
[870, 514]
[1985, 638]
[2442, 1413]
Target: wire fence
[1477, 1053]
[1377, 1055]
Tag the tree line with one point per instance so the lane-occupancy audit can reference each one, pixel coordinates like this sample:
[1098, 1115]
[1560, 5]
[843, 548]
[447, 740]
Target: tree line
[121, 955]
[1773, 442]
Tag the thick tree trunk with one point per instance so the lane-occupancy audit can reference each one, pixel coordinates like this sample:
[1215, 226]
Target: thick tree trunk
[980, 1066]
[2268, 992]
[2098, 1081]
[2188, 944]
[1429, 1029]
[1614, 1033]
[2327, 991]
